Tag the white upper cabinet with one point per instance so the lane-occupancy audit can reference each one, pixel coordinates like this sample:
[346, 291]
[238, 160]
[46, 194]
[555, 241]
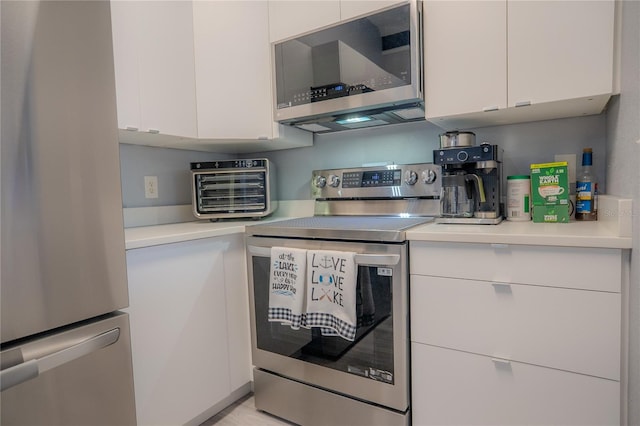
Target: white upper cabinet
[232, 64]
[290, 18]
[499, 62]
[153, 52]
[197, 75]
[353, 8]
[465, 61]
[559, 50]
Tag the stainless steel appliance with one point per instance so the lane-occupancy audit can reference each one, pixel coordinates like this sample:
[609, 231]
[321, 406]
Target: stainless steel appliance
[361, 73]
[66, 355]
[313, 379]
[233, 189]
[471, 184]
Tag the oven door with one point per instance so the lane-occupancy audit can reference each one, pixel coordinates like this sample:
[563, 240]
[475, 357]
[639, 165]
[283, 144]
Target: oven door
[374, 367]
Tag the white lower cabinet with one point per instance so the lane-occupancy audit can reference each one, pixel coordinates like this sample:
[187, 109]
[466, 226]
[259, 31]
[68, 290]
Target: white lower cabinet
[515, 334]
[189, 327]
[452, 387]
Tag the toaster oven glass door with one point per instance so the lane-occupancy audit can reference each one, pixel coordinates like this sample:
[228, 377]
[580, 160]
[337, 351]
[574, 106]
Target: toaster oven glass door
[231, 192]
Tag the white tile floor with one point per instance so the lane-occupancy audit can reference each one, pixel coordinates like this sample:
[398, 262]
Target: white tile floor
[243, 413]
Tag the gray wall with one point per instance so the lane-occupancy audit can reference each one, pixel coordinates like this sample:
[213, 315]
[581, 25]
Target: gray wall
[171, 166]
[623, 177]
[523, 144]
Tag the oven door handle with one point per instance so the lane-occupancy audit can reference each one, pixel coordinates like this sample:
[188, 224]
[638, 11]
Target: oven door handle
[361, 259]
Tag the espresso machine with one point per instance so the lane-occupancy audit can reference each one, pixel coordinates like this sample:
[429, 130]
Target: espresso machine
[471, 180]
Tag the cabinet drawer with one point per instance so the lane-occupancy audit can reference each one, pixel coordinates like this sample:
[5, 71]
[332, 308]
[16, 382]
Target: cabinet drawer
[457, 388]
[568, 329]
[572, 267]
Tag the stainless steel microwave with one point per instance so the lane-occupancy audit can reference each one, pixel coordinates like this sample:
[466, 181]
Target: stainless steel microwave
[359, 73]
[233, 189]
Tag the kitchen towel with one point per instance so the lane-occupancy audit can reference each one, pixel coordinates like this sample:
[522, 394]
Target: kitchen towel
[287, 282]
[331, 292]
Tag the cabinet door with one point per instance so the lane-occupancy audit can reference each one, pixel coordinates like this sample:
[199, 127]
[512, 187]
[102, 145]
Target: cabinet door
[352, 8]
[288, 18]
[167, 81]
[559, 50]
[154, 66]
[178, 330]
[465, 57]
[233, 69]
[124, 30]
[459, 388]
[552, 327]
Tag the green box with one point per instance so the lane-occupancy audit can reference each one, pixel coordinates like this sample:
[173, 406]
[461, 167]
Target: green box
[549, 184]
[551, 214]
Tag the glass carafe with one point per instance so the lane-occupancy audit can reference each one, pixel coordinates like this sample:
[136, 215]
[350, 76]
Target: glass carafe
[456, 199]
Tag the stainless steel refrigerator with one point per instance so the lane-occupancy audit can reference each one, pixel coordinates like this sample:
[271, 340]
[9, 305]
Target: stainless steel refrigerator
[66, 352]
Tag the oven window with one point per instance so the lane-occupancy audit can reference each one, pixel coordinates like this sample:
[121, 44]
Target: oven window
[369, 355]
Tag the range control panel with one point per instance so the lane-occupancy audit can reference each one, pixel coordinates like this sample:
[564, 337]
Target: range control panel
[394, 181]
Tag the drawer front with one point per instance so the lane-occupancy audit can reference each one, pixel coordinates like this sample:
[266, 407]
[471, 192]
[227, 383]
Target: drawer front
[457, 388]
[571, 267]
[568, 329]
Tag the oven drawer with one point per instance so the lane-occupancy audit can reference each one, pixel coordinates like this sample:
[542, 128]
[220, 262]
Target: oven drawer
[553, 327]
[232, 189]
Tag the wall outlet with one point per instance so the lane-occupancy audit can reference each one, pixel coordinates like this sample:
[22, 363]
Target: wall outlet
[151, 187]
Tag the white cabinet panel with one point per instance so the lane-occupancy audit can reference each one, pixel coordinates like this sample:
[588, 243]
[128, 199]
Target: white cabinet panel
[232, 66]
[178, 320]
[465, 56]
[459, 388]
[559, 50]
[571, 267]
[237, 295]
[154, 66]
[124, 21]
[561, 328]
[288, 18]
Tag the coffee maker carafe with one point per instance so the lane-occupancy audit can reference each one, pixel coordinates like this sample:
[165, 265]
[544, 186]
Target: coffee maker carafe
[470, 184]
[460, 193]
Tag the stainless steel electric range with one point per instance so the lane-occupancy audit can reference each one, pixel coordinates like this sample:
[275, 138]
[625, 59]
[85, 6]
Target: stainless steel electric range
[307, 376]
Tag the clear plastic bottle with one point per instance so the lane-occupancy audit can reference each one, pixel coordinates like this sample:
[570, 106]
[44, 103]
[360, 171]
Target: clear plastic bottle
[585, 189]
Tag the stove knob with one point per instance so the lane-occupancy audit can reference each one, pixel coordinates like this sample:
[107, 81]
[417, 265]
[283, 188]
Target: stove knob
[320, 181]
[429, 176]
[334, 181]
[410, 177]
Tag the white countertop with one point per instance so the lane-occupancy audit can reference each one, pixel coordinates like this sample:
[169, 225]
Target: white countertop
[153, 235]
[572, 234]
[612, 230]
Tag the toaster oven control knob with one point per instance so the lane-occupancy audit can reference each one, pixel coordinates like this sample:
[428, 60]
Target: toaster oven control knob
[429, 176]
[410, 177]
[320, 181]
[334, 181]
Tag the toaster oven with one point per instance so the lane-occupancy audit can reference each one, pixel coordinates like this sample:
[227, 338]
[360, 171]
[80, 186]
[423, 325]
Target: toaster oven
[233, 189]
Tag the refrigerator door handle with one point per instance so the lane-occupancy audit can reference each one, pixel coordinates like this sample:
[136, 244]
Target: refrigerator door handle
[31, 369]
